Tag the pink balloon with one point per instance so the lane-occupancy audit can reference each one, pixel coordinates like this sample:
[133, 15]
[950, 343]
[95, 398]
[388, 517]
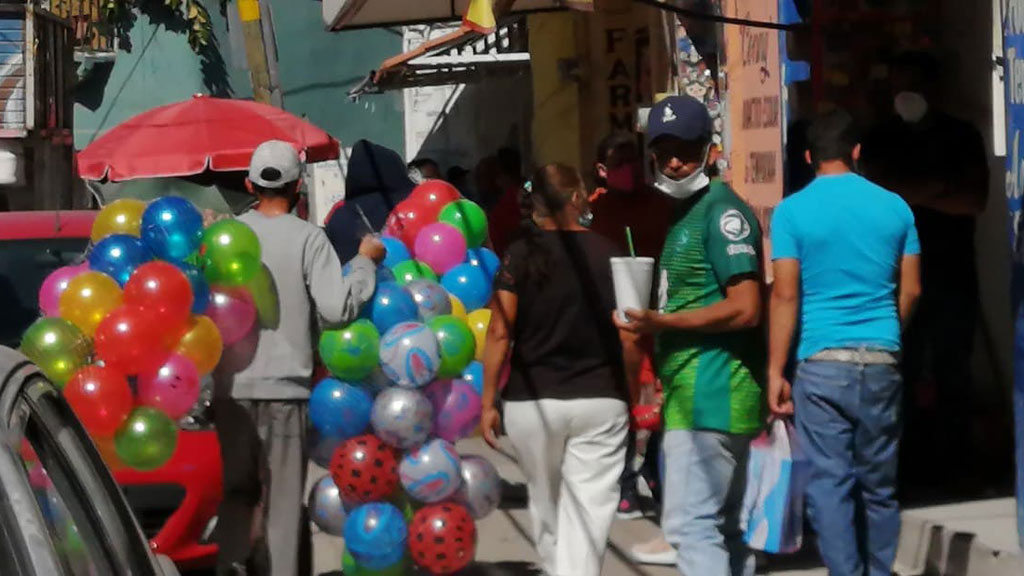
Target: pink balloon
[441, 246]
[456, 408]
[233, 311]
[55, 285]
[172, 388]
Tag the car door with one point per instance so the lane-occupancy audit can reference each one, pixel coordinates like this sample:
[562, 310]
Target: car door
[86, 523]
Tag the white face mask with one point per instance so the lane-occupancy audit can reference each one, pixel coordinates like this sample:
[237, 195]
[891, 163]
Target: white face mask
[688, 186]
[911, 106]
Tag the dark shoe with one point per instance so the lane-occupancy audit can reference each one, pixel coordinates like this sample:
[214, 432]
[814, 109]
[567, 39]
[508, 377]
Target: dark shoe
[629, 506]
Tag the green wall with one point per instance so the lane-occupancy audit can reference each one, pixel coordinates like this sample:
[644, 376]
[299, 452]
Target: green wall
[316, 69]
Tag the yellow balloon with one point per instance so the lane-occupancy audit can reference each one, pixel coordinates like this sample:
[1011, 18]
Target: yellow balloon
[202, 344]
[122, 216]
[88, 299]
[458, 308]
[478, 321]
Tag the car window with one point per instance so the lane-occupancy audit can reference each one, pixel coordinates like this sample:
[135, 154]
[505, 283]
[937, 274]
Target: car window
[24, 264]
[90, 523]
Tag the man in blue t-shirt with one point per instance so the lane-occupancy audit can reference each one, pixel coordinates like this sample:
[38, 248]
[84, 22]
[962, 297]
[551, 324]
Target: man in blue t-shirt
[847, 278]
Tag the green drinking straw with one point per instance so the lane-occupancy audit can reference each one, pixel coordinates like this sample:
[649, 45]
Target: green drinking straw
[629, 240]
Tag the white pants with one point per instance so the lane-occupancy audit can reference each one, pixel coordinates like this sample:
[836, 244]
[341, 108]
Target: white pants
[572, 453]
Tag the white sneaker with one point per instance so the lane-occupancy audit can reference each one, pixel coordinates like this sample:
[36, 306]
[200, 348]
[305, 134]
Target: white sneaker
[657, 552]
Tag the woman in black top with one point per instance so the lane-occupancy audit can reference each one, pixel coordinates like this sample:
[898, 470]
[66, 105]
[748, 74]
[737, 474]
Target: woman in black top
[566, 402]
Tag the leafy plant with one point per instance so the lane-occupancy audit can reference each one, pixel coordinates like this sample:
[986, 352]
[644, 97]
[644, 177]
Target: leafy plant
[195, 14]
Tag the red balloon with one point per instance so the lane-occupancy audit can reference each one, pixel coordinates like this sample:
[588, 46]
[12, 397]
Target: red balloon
[442, 538]
[131, 340]
[162, 289]
[435, 192]
[409, 217]
[365, 469]
[101, 398]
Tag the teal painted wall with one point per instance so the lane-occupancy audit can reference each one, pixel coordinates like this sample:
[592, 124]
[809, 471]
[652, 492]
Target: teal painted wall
[316, 69]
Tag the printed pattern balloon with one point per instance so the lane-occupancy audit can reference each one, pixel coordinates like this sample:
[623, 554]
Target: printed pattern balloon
[351, 353]
[431, 299]
[339, 409]
[430, 473]
[480, 491]
[402, 417]
[375, 535]
[409, 355]
[456, 409]
[365, 469]
[442, 538]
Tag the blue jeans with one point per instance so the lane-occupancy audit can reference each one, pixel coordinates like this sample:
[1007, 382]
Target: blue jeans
[705, 475]
[848, 422]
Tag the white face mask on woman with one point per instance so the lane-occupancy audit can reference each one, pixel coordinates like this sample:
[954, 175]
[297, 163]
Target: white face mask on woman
[911, 106]
[688, 186]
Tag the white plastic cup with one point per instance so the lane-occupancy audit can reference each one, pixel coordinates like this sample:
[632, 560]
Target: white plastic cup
[632, 278]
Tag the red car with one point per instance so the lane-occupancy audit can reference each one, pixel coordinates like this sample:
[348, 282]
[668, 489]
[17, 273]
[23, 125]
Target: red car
[176, 505]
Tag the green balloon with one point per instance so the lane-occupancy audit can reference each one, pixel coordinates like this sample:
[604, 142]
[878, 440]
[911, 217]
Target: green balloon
[350, 567]
[457, 344]
[147, 439]
[264, 296]
[57, 347]
[352, 352]
[467, 217]
[410, 270]
[231, 253]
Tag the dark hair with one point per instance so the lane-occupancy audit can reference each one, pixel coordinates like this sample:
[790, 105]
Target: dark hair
[510, 162]
[923, 68]
[423, 163]
[615, 141]
[832, 136]
[288, 189]
[552, 190]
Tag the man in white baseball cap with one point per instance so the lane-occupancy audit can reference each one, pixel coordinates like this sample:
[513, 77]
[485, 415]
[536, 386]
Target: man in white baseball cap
[262, 388]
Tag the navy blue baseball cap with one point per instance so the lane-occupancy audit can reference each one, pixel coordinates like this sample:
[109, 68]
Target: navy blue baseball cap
[684, 117]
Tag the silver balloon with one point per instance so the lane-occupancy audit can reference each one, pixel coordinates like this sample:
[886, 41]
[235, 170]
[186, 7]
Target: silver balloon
[480, 491]
[402, 417]
[326, 508]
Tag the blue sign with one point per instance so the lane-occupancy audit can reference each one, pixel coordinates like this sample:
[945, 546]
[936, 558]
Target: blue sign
[1013, 72]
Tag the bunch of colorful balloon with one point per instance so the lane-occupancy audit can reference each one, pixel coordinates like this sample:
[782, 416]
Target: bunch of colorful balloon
[128, 334]
[406, 386]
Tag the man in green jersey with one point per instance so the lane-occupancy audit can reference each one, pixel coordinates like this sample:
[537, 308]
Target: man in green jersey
[709, 353]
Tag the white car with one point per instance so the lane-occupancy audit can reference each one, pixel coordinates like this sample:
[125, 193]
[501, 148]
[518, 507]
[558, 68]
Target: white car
[61, 513]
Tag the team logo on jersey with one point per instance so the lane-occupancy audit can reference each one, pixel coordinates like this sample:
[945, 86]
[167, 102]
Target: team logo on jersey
[733, 225]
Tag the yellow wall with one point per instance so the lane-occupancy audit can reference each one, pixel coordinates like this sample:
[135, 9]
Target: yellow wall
[556, 102]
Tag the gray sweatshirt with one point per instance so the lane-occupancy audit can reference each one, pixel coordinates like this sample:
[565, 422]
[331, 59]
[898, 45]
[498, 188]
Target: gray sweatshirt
[276, 363]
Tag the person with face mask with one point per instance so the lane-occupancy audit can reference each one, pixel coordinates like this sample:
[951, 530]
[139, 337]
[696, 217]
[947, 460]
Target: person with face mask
[938, 164]
[566, 404]
[262, 385]
[709, 353]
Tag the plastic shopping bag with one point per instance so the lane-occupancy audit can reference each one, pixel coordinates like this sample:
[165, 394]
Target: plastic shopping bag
[773, 506]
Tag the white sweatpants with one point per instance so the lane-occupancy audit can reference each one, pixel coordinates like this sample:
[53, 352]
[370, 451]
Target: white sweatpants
[572, 453]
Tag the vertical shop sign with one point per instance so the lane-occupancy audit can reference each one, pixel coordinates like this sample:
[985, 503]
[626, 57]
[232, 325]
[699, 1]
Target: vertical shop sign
[754, 93]
[1013, 74]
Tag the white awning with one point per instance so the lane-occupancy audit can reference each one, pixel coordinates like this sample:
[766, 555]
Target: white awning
[348, 14]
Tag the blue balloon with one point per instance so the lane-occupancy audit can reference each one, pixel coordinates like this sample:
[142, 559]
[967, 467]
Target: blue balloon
[200, 288]
[391, 305]
[118, 255]
[474, 374]
[339, 409]
[397, 252]
[375, 535]
[470, 284]
[484, 258]
[172, 228]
